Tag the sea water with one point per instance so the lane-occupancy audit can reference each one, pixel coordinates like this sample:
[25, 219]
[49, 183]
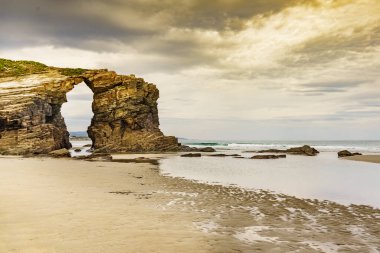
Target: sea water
[80, 144]
[323, 177]
[367, 146]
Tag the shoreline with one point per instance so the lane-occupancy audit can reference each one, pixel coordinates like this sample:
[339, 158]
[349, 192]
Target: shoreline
[364, 158]
[65, 205]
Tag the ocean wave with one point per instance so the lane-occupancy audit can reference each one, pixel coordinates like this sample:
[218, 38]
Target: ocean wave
[331, 146]
[207, 144]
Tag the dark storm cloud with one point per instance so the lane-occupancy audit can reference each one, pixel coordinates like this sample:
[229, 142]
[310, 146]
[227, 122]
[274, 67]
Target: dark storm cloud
[75, 23]
[216, 14]
[166, 29]
[64, 23]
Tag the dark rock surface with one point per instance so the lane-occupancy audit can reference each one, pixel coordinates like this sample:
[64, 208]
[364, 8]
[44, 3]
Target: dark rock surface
[345, 153]
[206, 149]
[224, 155]
[192, 155]
[268, 156]
[304, 150]
[185, 148]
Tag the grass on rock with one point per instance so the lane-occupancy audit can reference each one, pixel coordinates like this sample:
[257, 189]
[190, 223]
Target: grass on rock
[72, 72]
[10, 68]
[17, 68]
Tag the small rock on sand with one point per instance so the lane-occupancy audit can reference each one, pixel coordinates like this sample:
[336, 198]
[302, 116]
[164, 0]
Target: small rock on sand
[60, 153]
[192, 155]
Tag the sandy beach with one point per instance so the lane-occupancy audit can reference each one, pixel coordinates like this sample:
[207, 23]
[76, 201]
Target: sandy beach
[365, 158]
[64, 205]
[75, 206]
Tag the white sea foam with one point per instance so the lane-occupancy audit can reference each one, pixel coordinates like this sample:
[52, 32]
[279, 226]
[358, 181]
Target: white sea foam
[324, 146]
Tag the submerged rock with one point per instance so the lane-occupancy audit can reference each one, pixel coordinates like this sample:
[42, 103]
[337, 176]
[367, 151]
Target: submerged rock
[345, 153]
[125, 111]
[192, 155]
[77, 150]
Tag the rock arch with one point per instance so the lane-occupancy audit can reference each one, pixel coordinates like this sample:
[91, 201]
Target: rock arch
[125, 113]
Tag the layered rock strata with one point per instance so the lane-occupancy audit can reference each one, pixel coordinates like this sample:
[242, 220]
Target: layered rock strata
[125, 113]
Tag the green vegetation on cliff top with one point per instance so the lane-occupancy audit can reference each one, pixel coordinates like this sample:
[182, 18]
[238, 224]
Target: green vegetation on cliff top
[9, 68]
[72, 72]
[17, 68]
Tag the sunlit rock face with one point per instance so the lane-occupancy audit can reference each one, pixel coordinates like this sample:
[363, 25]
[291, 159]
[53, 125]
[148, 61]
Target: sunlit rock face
[125, 113]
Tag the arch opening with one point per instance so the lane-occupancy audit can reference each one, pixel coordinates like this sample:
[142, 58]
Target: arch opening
[77, 113]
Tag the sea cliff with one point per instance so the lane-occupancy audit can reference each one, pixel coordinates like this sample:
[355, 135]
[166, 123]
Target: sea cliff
[31, 95]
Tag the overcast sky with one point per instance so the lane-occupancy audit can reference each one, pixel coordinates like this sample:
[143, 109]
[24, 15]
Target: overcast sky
[226, 69]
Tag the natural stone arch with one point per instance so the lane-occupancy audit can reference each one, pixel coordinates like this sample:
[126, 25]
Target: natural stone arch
[77, 112]
[125, 113]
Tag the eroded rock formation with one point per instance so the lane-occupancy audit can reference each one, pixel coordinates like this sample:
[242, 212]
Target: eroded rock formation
[125, 112]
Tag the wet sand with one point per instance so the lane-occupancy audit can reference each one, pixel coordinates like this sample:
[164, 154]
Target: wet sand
[364, 158]
[51, 205]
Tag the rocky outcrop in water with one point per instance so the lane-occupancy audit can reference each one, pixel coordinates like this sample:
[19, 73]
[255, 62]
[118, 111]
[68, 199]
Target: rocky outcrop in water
[125, 110]
[224, 155]
[345, 153]
[268, 156]
[192, 155]
[304, 150]
[185, 148]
